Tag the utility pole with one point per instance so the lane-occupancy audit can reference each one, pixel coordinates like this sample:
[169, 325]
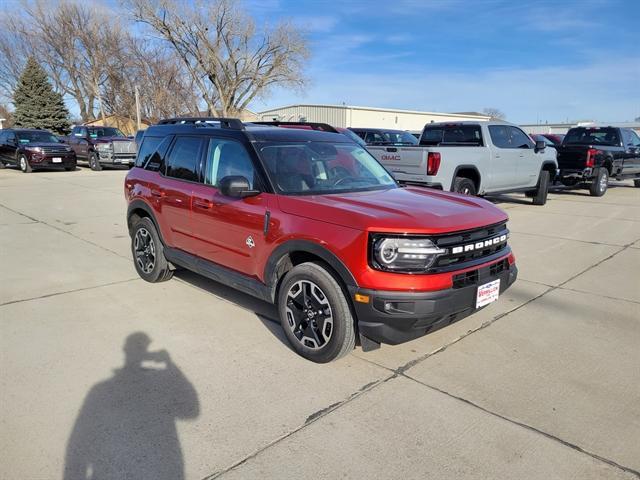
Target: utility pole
[137, 106]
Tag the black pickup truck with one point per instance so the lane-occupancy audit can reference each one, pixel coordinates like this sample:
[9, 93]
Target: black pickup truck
[589, 156]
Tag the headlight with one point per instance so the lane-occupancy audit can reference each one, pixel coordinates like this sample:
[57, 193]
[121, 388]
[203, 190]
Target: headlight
[33, 149]
[403, 254]
[104, 146]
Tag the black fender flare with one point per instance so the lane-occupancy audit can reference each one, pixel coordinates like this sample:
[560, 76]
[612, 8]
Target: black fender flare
[142, 205]
[466, 167]
[554, 169]
[279, 259]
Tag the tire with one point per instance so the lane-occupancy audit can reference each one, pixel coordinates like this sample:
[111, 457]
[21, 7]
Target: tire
[148, 252]
[1, 164]
[636, 183]
[305, 288]
[464, 185]
[599, 184]
[23, 163]
[540, 196]
[94, 162]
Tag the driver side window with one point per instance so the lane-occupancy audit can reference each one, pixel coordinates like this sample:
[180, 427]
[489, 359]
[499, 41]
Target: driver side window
[227, 158]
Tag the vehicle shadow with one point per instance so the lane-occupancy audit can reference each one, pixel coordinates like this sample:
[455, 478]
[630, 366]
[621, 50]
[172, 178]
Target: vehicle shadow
[126, 427]
[266, 312]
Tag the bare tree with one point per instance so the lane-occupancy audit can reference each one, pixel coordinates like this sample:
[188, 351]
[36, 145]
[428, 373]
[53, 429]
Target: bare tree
[229, 60]
[494, 113]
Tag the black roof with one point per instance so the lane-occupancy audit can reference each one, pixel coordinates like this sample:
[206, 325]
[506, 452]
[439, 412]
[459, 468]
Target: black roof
[20, 129]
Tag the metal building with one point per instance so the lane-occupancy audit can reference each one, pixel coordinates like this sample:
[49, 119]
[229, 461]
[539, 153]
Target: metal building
[352, 116]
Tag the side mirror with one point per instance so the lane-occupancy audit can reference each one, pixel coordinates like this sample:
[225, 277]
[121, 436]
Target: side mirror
[540, 146]
[236, 186]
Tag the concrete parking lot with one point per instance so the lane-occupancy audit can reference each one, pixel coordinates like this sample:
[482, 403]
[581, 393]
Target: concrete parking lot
[105, 376]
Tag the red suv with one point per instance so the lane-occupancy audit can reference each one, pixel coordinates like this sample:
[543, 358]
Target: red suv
[310, 221]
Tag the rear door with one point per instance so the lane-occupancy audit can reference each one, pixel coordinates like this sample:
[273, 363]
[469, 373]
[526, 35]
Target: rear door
[229, 231]
[174, 192]
[502, 172]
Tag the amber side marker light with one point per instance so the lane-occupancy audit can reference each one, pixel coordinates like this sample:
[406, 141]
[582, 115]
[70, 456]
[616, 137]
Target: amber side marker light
[361, 298]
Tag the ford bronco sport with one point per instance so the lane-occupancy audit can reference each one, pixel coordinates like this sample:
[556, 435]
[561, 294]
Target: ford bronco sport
[310, 221]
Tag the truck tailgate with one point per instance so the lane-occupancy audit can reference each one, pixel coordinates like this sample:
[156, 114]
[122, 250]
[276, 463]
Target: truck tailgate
[572, 156]
[404, 160]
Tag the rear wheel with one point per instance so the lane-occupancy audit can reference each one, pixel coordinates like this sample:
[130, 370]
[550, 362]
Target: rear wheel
[23, 163]
[464, 185]
[148, 252]
[540, 195]
[636, 183]
[315, 315]
[600, 183]
[94, 162]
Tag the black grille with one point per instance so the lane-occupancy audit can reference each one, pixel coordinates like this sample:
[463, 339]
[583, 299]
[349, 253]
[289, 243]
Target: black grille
[473, 277]
[471, 237]
[55, 150]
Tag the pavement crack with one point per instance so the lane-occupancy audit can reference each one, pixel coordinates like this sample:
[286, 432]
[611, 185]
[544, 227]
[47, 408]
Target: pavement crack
[55, 294]
[526, 426]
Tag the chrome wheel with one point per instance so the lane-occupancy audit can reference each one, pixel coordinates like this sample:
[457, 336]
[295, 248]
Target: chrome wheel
[145, 250]
[309, 314]
[23, 164]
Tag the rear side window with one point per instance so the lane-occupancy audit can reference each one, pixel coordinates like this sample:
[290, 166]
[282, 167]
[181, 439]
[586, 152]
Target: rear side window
[228, 158]
[148, 148]
[454, 135]
[183, 159]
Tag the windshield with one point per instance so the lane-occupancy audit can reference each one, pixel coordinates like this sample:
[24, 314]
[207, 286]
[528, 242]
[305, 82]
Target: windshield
[105, 132]
[400, 137]
[592, 136]
[36, 137]
[320, 167]
[353, 136]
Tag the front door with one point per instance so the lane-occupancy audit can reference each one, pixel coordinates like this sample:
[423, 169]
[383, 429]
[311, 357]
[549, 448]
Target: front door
[529, 162]
[229, 231]
[504, 160]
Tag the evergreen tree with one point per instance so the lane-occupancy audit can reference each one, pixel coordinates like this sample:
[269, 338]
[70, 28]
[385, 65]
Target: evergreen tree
[37, 104]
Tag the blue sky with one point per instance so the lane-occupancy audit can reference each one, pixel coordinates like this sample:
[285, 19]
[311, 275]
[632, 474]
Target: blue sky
[535, 61]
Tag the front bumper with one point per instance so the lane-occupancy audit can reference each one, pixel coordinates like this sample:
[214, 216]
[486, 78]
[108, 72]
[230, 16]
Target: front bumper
[47, 162]
[410, 315]
[116, 158]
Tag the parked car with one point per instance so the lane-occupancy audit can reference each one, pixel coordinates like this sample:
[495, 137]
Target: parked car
[556, 138]
[381, 136]
[341, 251]
[100, 146]
[30, 149]
[474, 158]
[541, 138]
[589, 156]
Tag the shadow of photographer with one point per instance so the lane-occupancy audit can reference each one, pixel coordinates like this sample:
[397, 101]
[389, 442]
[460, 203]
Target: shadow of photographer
[127, 425]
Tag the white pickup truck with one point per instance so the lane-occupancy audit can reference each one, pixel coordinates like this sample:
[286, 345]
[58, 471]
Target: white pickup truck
[475, 158]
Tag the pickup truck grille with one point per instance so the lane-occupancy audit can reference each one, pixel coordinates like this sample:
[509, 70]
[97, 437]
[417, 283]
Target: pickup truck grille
[55, 150]
[124, 147]
[468, 248]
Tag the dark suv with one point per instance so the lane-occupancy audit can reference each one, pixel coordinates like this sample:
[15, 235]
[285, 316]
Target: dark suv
[309, 220]
[102, 146]
[30, 148]
[381, 136]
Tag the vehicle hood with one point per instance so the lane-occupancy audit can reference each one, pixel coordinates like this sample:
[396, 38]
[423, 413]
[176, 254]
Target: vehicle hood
[402, 210]
[44, 144]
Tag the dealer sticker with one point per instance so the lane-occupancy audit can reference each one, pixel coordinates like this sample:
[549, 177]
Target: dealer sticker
[487, 293]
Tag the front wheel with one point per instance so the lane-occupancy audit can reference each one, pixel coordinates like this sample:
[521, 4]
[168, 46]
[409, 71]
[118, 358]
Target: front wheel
[148, 252]
[600, 183]
[315, 315]
[24, 164]
[464, 185]
[94, 162]
[540, 195]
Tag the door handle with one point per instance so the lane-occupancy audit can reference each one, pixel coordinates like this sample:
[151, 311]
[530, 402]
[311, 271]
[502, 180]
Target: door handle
[157, 193]
[205, 204]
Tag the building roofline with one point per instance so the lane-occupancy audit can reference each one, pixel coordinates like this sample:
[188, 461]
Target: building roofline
[375, 109]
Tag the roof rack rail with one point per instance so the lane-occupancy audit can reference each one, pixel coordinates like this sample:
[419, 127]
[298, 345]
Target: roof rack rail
[325, 127]
[230, 123]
